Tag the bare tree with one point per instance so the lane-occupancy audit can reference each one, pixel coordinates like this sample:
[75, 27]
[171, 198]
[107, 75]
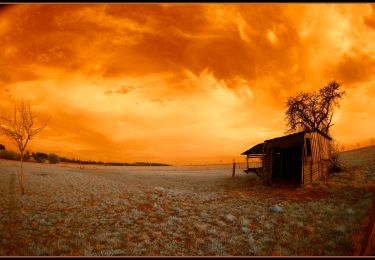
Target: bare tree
[20, 130]
[313, 111]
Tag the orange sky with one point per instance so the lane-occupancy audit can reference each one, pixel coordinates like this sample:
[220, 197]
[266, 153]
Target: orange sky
[182, 83]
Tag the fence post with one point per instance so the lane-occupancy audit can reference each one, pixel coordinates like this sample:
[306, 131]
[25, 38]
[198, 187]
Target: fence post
[234, 169]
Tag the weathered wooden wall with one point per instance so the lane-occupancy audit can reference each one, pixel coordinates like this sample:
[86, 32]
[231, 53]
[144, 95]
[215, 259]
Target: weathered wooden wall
[320, 147]
[314, 167]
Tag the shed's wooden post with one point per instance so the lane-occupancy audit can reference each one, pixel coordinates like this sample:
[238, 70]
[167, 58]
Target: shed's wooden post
[234, 169]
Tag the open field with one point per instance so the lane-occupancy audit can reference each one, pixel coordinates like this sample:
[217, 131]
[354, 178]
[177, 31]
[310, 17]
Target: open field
[181, 210]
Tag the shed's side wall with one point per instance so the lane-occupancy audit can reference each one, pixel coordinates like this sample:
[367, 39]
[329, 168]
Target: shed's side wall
[320, 147]
[316, 166]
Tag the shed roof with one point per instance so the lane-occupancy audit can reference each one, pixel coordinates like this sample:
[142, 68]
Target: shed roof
[256, 149]
[299, 133]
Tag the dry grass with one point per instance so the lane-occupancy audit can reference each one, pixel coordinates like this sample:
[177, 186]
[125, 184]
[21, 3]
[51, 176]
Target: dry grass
[178, 211]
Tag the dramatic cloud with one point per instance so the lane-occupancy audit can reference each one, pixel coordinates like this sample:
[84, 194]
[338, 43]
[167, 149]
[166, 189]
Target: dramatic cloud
[356, 68]
[181, 83]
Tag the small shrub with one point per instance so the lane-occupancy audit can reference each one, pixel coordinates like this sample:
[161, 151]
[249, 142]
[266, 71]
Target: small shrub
[40, 157]
[335, 167]
[335, 163]
[53, 158]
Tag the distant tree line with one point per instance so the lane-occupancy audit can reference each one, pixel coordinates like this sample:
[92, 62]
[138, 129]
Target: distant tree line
[78, 161]
[52, 158]
[136, 164]
[36, 157]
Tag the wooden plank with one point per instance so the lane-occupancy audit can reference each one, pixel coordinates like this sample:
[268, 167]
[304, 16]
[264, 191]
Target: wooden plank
[307, 175]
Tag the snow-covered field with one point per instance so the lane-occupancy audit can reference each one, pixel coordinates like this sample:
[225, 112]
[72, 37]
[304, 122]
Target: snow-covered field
[177, 210]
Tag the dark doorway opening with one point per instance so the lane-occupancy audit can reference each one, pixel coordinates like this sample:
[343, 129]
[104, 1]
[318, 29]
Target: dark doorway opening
[287, 165]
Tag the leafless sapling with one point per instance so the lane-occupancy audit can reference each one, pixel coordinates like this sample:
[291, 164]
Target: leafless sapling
[20, 129]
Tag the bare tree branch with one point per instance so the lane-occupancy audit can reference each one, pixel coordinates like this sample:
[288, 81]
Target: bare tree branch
[313, 110]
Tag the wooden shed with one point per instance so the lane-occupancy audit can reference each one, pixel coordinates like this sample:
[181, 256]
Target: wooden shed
[299, 158]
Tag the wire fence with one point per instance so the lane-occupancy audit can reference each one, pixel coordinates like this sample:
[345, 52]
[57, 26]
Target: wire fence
[243, 165]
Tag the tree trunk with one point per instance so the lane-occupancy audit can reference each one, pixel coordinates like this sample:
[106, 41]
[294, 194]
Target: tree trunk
[21, 175]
